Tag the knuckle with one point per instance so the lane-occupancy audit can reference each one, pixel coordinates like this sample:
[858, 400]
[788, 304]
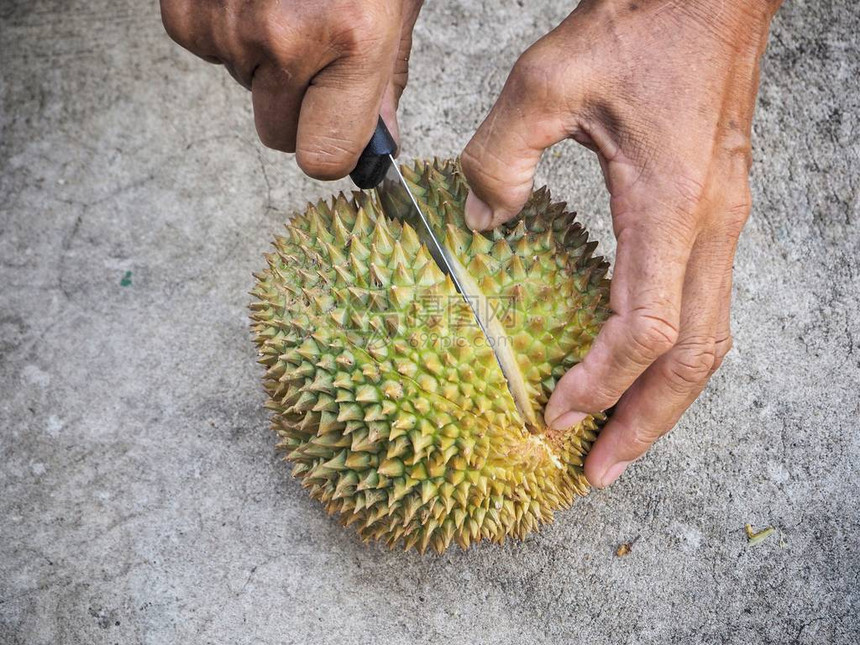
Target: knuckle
[737, 146]
[477, 162]
[736, 220]
[652, 333]
[721, 349]
[175, 16]
[473, 161]
[360, 28]
[400, 78]
[272, 34]
[739, 210]
[327, 158]
[640, 441]
[525, 69]
[506, 181]
[533, 75]
[592, 395]
[728, 221]
[691, 363]
[361, 18]
[603, 397]
[743, 156]
[689, 188]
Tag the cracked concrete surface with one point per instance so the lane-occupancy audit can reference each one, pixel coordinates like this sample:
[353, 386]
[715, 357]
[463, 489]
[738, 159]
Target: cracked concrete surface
[142, 501]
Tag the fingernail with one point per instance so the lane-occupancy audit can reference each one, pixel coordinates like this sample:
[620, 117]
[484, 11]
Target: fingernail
[567, 420]
[479, 216]
[612, 473]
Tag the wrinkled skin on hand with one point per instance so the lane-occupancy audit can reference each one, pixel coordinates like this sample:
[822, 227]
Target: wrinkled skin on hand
[663, 91]
[320, 72]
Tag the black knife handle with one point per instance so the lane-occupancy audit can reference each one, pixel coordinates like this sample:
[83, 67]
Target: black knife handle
[374, 161]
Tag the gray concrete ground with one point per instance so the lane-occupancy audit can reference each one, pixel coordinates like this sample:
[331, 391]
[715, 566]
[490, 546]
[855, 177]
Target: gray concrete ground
[142, 501]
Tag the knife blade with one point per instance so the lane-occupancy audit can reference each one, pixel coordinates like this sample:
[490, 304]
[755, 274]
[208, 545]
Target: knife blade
[398, 201]
[378, 169]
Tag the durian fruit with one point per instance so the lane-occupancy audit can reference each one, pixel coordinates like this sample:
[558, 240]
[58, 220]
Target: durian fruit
[388, 396]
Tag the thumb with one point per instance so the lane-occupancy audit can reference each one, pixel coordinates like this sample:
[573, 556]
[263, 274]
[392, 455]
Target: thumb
[499, 162]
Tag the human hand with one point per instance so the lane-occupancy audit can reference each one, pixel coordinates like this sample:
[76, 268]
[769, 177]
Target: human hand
[320, 73]
[663, 92]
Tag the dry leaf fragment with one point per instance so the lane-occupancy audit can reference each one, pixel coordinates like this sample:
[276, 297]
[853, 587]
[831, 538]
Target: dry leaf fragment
[754, 537]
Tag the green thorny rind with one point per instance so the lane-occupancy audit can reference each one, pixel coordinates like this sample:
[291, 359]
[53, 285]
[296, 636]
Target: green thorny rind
[386, 395]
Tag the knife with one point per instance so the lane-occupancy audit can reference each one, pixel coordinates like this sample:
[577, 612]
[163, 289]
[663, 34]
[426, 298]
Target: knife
[377, 169]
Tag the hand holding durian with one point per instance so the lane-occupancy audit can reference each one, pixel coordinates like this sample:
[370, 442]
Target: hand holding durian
[387, 397]
[664, 93]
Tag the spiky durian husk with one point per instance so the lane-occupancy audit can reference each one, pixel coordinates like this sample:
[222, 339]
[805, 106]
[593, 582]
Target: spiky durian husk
[386, 396]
